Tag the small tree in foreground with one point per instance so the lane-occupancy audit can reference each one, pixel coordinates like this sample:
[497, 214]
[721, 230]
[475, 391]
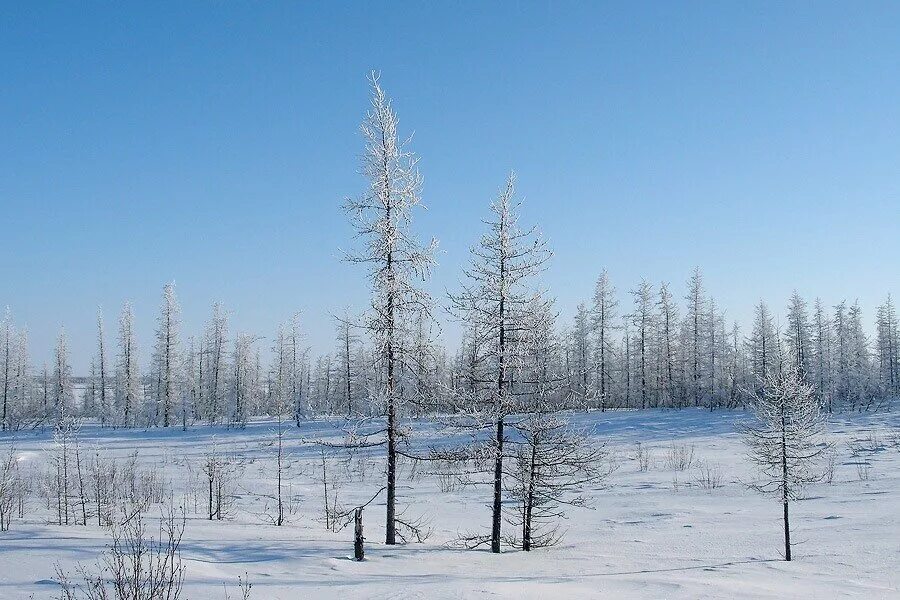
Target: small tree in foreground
[786, 440]
[553, 465]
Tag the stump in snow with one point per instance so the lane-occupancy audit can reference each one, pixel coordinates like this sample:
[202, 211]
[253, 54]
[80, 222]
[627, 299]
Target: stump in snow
[358, 550]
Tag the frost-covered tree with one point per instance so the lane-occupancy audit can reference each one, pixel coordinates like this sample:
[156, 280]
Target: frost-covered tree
[279, 375]
[193, 389]
[63, 391]
[499, 301]
[215, 369]
[295, 358]
[467, 381]
[851, 374]
[102, 384]
[822, 363]
[604, 316]
[887, 333]
[548, 463]
[842, 354]
[281, 404]
[424, 368]
[128, 380]
[280, 407]
[89, 397]
[12, 487]
[694, 337]
[786, 439]
[737, 371]
[16, 383]
[626, 366]
[322, 390]
[167, 355]
[580, 348]
[860, 394]
[396, 262]
[347, 339]
[762, 346]
[666, 320]
[22, 386]
[642, 318]
[553, 464]
[244, 383]
[797, 336]
[717, 350]
[7, 364]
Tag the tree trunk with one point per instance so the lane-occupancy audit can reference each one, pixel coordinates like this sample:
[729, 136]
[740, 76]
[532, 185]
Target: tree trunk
[529, 502]
[498, 490]
[280, 520]
[390, 535]
[358, 539]
[787, 533]
[784, 488]
[501, 380]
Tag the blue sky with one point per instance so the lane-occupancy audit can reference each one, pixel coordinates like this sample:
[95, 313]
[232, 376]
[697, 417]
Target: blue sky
[212, 143]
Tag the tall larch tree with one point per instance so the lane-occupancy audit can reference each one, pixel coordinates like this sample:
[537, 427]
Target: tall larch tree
[346, 342]
[860, 373]
[8, 363]
[395, 259]
[694, 329]
[667, 320]
[604, 317]
[295, 357]
[168, 353]
[22, 388]
[822, 363]
[63, 390]
[581, 354]
[886, 348]
[499, 301]
[642, 319]
[797, 336]
[103, 407]
[128, 380]
[215, 369]
[762, 344]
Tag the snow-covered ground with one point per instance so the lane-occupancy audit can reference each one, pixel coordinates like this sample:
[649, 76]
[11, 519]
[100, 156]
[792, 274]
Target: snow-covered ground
[653, 533]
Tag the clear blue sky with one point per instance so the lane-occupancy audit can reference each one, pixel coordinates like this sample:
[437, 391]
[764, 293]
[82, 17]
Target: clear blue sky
[212, 143]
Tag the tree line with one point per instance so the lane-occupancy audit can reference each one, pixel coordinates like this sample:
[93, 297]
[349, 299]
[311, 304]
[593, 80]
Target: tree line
[658, 352]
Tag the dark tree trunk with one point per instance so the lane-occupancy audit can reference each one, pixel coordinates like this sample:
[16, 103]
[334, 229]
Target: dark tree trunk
[498, 460]
[390, 535]
[498, 490]
[784, 483]
[787, 533]
[529, 502]
[358, 539]
[391, 525]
